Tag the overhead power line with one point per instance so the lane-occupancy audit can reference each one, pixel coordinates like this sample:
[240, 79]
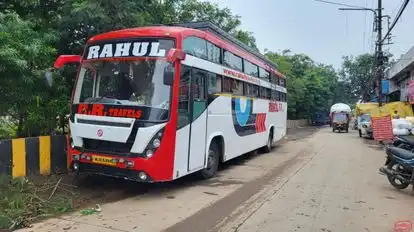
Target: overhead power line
[404, 5]
[337, 3]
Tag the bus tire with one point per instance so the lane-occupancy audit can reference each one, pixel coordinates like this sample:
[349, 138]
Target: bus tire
[269, 144]
[213, 161]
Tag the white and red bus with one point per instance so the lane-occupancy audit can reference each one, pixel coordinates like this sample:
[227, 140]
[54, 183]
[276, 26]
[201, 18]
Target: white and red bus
[157, 103]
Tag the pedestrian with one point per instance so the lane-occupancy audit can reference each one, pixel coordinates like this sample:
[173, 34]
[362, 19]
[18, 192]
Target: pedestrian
[395, 115]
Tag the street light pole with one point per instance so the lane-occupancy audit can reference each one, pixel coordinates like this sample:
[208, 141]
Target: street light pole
[379, 56]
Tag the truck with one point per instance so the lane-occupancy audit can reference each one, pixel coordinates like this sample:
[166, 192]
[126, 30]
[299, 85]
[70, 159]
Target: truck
[339, 117]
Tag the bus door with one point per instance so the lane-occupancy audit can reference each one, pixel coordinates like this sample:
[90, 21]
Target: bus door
[198, 129]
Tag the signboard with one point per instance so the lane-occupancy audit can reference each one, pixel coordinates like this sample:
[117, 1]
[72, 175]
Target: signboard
[382, 128]
[385, 86]
[411, 91]
[140, 47]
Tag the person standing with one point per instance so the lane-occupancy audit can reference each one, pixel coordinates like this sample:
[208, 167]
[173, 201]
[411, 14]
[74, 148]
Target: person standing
[395, 115]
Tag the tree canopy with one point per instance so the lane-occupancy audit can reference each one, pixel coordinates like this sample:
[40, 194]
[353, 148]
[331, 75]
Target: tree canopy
[33, 33]
[312, 87]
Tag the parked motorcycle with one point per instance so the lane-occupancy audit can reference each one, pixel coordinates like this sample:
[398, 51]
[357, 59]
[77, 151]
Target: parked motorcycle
[404, 142]
[399, 166]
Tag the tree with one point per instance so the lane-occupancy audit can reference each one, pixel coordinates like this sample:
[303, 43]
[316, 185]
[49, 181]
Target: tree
[24, 52]
[359, 74]
[312, 88]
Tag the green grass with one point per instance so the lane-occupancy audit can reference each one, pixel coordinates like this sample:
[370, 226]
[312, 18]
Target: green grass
[22, 202]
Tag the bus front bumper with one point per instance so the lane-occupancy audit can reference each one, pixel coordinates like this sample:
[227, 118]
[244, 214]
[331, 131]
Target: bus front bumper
[115, 172]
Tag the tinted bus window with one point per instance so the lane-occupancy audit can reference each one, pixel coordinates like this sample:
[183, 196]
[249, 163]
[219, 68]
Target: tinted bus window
[250, 69]
[213, 53]
[252, 90]
[264, 75]
[283, 97]
[282, 82]
[214, 83]
[183, 100]
[264, 93]
[275, 95]
[233, 61]
[274, 79]
[195, 46]
[232, 86]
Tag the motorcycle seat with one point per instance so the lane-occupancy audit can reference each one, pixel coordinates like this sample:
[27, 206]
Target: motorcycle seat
[407, 139]
[401, 153]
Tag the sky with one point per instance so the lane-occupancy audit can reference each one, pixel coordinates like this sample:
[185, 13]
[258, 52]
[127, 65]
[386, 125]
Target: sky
[320, 30]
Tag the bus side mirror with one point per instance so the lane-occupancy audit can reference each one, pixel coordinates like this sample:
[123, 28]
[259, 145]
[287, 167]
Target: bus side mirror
[65, 59]
[49, 76]
[59, 63]
[174, 55]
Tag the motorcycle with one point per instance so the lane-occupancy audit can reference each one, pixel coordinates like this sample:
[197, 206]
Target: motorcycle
[404, 142]
[399, 166]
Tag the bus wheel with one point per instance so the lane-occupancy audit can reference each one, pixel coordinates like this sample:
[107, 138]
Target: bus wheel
[269, 144]
[213, 161]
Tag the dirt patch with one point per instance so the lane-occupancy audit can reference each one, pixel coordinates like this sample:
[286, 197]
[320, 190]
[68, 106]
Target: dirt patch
[23, 201]
[301, 133]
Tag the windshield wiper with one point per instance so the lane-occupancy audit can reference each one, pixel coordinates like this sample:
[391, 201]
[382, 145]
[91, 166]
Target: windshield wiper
[101, 97]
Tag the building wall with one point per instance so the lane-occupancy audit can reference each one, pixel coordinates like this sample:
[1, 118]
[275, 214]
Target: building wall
[404, 61]
[403, 86]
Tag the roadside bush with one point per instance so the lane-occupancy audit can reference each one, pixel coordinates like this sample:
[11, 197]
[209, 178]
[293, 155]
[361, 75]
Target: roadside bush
[22, 202]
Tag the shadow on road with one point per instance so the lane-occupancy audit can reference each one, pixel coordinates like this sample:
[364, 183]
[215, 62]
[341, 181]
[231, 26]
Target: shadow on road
[98, 189]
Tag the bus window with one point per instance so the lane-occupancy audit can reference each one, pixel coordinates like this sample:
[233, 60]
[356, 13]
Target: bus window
[195, 46]
[264, 93]
[275, 95]
[232, 86]
[198, 79]
[214, 83]
[88, 85]
[283, 97]
[233, 61]
[252, 90]
[237, 87]
[250, 69]
[274, 79]
[183, 101]
[213, 53]
[263, 74]
[282, 82]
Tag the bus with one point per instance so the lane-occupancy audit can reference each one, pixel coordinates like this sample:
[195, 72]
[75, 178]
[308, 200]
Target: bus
[156, 103]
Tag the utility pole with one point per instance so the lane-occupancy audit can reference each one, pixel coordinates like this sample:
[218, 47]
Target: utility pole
[379, 56]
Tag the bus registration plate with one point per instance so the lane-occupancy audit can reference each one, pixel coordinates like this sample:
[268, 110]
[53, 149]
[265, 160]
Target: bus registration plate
[103, 160]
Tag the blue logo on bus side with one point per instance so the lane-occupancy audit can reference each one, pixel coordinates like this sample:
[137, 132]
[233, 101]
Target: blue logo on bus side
[242, 116]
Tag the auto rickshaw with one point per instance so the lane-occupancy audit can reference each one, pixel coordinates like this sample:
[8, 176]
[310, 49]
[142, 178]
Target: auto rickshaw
[340, 121]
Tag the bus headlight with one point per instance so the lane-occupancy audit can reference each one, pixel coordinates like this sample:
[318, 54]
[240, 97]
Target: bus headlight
[156, 143]
[149, 153]
[72, 144]
[153, 145]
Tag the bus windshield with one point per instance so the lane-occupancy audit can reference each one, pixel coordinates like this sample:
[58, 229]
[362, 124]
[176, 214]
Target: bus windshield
[138, 82]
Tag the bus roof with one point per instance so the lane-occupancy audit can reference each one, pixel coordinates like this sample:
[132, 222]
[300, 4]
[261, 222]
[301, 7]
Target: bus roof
[212, 28]
[177, 30]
